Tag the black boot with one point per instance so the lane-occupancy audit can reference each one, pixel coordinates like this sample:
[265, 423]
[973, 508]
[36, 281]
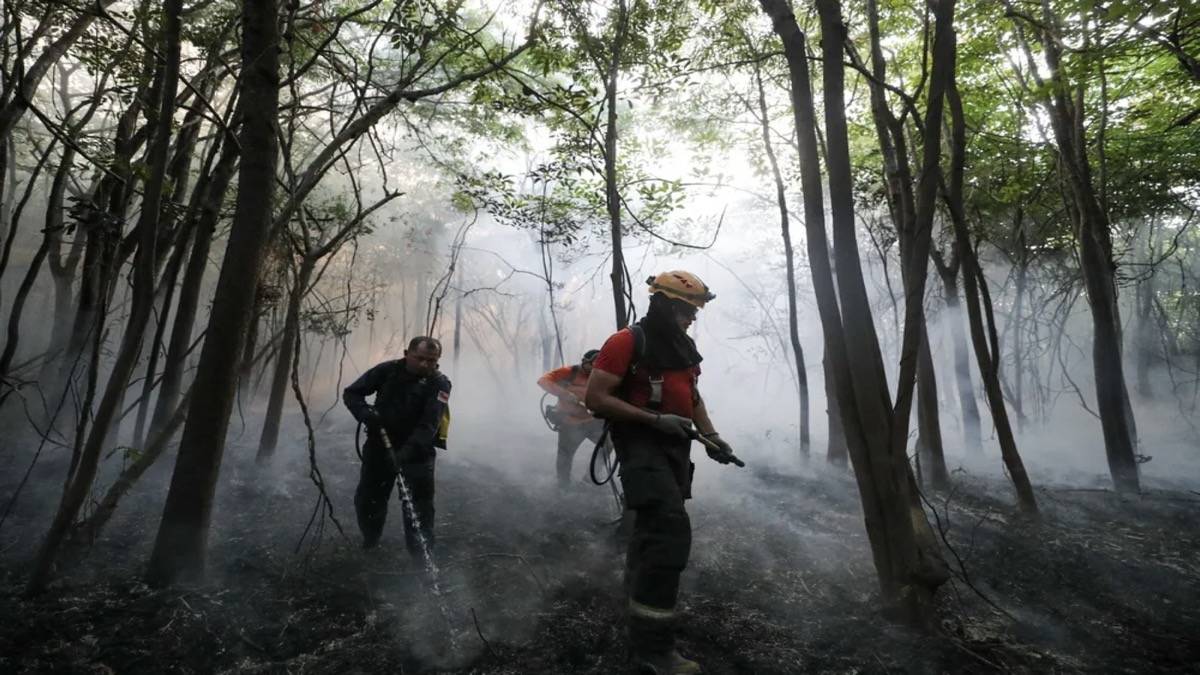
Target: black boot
[670, 663]
[652, 646]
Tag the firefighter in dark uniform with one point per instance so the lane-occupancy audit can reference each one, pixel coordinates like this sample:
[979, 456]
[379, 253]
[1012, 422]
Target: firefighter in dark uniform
[644, 383]
[410, 405]
[575, 423]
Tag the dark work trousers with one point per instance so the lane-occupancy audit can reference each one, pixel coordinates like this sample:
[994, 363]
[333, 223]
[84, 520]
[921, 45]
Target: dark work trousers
[656, 473]
[569, 438]
[375, 482]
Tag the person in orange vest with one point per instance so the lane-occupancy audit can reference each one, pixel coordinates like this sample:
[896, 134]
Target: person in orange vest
[645, 384]
[575, 423]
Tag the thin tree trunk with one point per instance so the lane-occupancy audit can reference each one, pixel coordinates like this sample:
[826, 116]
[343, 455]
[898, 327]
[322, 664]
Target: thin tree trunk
[14, 220]
[789, 261]
[612, 195]
[7, 177]
[167, 288]
[180, 546]
[836, 452]
[972, 434]
[458, 303]
[151, 451]
[420, 303]
[545, 342]
[548, 272]
[189, 292]
[930, 430]
[98, 220]
[283, 363]
[1147, 339]
[53, 230]
[248, 384]
[972, 277]
[62, 271]
[1018, 321]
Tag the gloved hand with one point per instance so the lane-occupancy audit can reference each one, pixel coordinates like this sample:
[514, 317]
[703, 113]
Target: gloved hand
[401, 455]
[722, 452]
[673, 425]
[405, 454]
[372, 419]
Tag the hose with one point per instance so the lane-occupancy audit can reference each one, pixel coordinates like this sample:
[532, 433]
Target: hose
[546, 418]
[611, 466]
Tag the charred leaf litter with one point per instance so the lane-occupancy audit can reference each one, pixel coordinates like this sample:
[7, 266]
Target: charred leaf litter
[780, 582]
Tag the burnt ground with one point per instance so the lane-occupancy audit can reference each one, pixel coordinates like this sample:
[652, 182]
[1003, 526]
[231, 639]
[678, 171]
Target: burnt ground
[780, 580]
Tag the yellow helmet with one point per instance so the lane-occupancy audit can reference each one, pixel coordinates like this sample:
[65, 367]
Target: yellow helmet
[683, 286]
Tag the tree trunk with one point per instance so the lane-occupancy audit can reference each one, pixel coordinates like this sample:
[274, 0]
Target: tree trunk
[908, 575]
[80, 482]
[912, 214]
[209, 212]
[1147, 337]
[183, 234]
[5, 180]
[167, 288]
[180, 546]
[1095, 255]
[283, 362]
[972, 280]
[1018, 322]
[545, 343]
[930, 430]
[972, 435]
[62, 271]
[1112, 397]
[100, 221]
[50, 235]
[151, 451]
[248, 384]
[612, 195]
[15, 218]
[458, 303]
[420, 303]
[789, 261]
[913, 563]
[836, 452]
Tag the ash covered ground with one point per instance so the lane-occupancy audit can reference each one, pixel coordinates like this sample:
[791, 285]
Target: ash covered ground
[780, 579]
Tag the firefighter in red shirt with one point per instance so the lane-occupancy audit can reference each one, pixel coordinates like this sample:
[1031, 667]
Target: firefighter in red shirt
[644, 383]
[575, 423]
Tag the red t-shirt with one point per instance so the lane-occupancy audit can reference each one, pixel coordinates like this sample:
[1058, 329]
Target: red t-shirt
[679, 386]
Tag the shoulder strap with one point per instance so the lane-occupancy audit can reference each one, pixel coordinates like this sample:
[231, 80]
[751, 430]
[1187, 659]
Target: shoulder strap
[654, 377]
[639, 346]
